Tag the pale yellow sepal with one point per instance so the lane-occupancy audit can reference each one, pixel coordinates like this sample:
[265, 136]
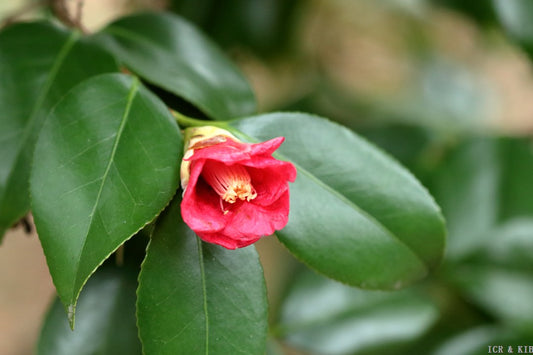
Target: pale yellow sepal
[197, 138]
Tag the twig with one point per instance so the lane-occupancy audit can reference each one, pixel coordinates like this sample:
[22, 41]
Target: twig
[28, 229]
[119, 256]
[79, 11]
[60, 10]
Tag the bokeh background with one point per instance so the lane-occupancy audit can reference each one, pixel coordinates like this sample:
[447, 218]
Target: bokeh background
[445, 86]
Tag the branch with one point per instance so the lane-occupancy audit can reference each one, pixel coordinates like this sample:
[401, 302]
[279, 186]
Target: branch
[60, 10]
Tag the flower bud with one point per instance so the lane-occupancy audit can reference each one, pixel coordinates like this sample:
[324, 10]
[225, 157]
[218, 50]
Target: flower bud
[233, 192]
[197, 138]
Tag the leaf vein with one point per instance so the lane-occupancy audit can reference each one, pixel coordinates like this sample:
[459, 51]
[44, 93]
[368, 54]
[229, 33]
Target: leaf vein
[166, 341]
[79, 187]
[86, 149]
[131, 95]
[356, 207]
[126, 186]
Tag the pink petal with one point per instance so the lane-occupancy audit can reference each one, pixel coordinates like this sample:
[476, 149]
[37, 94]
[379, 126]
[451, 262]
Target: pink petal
[200, 206]
[244, 222]
[252, 219]
[268, 147]
[220, 239]
[268, 184]
[235, 152]
[228, 152]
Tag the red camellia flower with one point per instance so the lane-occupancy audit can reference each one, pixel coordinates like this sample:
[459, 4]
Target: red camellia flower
[234, 192]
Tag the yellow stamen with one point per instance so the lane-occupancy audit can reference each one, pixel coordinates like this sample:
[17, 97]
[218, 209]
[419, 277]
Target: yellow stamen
[230, 182]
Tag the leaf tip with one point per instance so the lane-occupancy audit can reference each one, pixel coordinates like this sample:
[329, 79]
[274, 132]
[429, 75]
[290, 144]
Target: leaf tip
[71, 314]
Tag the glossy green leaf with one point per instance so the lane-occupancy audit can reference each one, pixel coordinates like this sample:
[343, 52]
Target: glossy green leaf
[169, 52]
[516, 17]
[39, 62]
[483, 182]
[509, 246]
[466, 187]
[106, 318]
[356, 215]
[516, 157]
[476, 341]
[106, 163]
[498, 275]
[199, 298]
[504, 293]
[326, 317]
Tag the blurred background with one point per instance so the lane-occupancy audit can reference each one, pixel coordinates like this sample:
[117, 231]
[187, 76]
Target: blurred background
[444, 86]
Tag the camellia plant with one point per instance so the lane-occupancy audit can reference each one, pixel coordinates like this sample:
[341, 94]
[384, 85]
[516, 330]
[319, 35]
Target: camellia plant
[141, 142]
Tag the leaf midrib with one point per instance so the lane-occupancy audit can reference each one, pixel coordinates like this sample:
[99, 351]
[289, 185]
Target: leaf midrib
[131, 95]
[364, 213]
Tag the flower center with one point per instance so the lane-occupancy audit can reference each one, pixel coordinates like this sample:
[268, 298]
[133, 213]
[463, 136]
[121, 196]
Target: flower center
[230, 182]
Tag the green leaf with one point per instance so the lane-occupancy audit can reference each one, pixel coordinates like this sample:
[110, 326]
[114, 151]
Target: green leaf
[516, 177]
[466, 187]
[497, 276]
[356, 215]
[199, 298]
[516, 17]
[39, 62]
[476, 341]
[483, 190]
[483, 182]
[106, 163]
[326, 317]
[509, 246]
[169, 52]
[106, 322]
[506, 294]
